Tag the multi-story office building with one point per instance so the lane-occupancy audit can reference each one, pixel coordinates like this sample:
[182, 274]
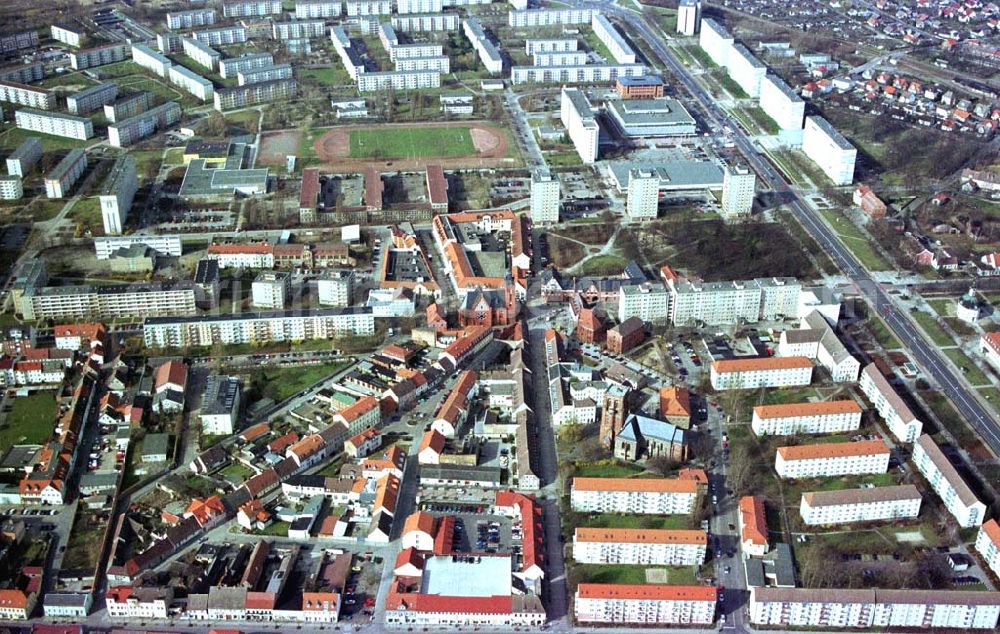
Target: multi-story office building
[203, 54]
[956, 495]
[637, 496]
[99, 56]
[148, 58]
[368, 7]
[131, 300]
[651, 547]
[419, 6]
[18, 41]
[251, 8]
[306, 9]
[544, 197]
[867, 609]
[398, 80]
[11, 188]
[24, 73]
[190, 19]
[643, 200]
[589, 73]
[829, 150]
[890, 405]
[688, 17]
[648, 604]
[416, 23]
[548, 17]
[563, 45]
[133, 129]
[748, 374]
[818, 417]
[91, 99]
[222, 36]
[54, 123]
[746, 70]
[559, 58]
[643, 87]
[249, 94]
[832, 459]
[220, 404]
[988, 545]
[65, 173]
[117, 195]
[488, 52]
[24, 156]
[580, 122]
[781, 103]
[272, 290]
[260, 328]
[231, 67]
[845, 506]
[648, 301]
[25, 95]
[169, 245]
[716, 41]
[609, 35]
[128, 106]
[739, 185]
[68, 34]
[191, 82]
[716, 303]
[268, 73]
[298, 29]
[335, 288]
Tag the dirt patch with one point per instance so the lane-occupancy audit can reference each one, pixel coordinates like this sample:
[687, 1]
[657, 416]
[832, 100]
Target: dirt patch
[275, 146]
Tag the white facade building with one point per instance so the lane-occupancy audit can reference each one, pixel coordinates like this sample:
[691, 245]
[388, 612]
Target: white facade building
[251, 8]
[988, 545]
[716, 303]
[231, 67]
[829, 150]
[580, 122]
[564, 45]
[746, 70]
[419, 6]
[956, 495]
[819, 417]
[190, 19]
[648, 301]
[132, 300]
[335, 288]
[488, 52]
[133, 129]
[781, 103]
[739, 185]
[643, 199]
[24, 156]
[832, 459]
[298, 29]
[68, 34]
[559, 58]
[98, 56]
[26, 95]
[890, 503]
[203, 54]
[688, 17]
[398, 80]
[117, 195]
[90, 99]
[745, 374]
[222, 36]
[638, 496]
[272, 290]
[586, 74]
[716, 41]
[148, 58]
[609, 35]
[418, 23]
[816, 340]
[11, 188]
[191, 82]
[169, 245]
[306, 9]
[651, 547]
[368, 7]
[268, 73]
[54, 123]
[644, 604]
[65, 173]
[544, 197]
[220, 405]
[548, 17]
[898, 417]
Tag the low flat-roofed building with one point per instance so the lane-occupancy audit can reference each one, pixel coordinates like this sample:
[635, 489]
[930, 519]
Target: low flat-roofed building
[651, 117]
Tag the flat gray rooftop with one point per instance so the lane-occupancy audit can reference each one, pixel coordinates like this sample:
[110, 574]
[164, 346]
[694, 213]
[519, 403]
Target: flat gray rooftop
[490, 577]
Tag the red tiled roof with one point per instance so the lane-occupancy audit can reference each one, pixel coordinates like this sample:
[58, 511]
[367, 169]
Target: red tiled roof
[232, 249]
[763, 363]
[433, 440]
[310, 188]
[644, 592]
[754, 520]
[437, 185]
[833, 450]
[171, 372]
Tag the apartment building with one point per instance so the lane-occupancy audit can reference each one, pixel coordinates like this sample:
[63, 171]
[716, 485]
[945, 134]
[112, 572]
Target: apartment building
[419, 23]
[272, 291]
[190, 19]
[128, 106]
[134, 129]
[117, 195]
[648, 301]
[168, 42]
[716, 41]
[250, 94]
[898, 417]
[132, 300]
[718, 303]
[268, 73]
[746, 70]
[25, 95]
[988, 545]
[298, 29]
[438, 64]
[955, 494]
[191, 82]
[220, 405]
[54, 123]
[867, 609]
[646, 496]
[832, 459]
[989, 348]
[150, 59]
[419, 6]
[544, 197]
[202, 54]
[23, 73]
[398, 80]
[563, 45]
[846, 506]
[781, 103]
[739, 185]
[820, 417]
[91, 99]
[24, 156]
[169, 245]
[585, 74]
[11, 188]
[66, 172]
[611, 38]
[688, 17]
[251, 8]
[368, 7]
[229, 68]
[17, 41]
[335, 288]
[649, 604]
[488, 52]
[580, 122]
[305, 9]
[816, 340]
[99, 56]
[559, 58]
[752, 520]
[745, 374]
[265, 327]
[643, 198]
[548, 17]
[650, 547]
[222, 36]
[829, 150]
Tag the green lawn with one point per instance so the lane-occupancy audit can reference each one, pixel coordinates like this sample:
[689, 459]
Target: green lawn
[730, 86]
[701, 57]
[87, 212]
[603, 265]
[66, 79]
[174, 156]
[606, 470]
[760, 119]
[237, 470]
[282, 383]
[613, 573]
[971, 370]
[30, 420]
[277, 529]
[411, 142]
[942, 306]
[613, 520]
[855, 240]
[991, 394]
[882, 333]
[932, 328]
[13, 137]
[563, 159]
[335, 75]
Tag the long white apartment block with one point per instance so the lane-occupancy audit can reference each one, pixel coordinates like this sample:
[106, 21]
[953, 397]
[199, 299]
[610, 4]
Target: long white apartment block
[54, 123]
[268, 73]
[190, 19]
[688, 17]
[646, 604]
[229, 68]
[91, 99]
[746, 70]
[419, 6]
[781, 103]
[26, 95]
[717, 303]
[259, 327]
[609, 35]
[716, 41]
[846, 506]
[148, 58]
[99, 56]
[127, 300]
[66, 172]
[841, 608]
[438, 64]
[426, 22]
[249, 94]
[191, 82]
[398, 80]
[349, 56]
[829, 150]
[651, 547]
[559, 58]
[24, 156]
[898, 416]
[549, 17]
[128, 106]
[563, 45]
[988, 545]
[956, 495]
[407, 51]
[545, 197]
[251, 8]
[306, 9]
[221, 36]
[357, 8]
[637, 496]
[203, 54]
[587, 73]
[465, 3]
[129, 131]
[170, 245]
[648, 301]
[117, 194]
[68, 34]
[748, 374]
[298, 29]
[11, 188]
[24, 73]
[832, 459]
[488, 52]
[387, 35]
[818, 417]
[580, 122]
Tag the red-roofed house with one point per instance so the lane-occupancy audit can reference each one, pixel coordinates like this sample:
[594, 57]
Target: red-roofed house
[320, 607]
[418, 531]
[409, 563]
[360, 445]
[431, 447]
[207, 511]
[989, 347]
[753, 526]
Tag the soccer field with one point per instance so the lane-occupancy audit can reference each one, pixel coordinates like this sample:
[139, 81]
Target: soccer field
[411, 142]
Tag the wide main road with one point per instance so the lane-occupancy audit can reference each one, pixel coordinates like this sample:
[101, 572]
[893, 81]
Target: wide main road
[912, 338]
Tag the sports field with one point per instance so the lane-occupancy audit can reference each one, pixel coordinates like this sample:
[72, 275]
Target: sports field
[411, 142]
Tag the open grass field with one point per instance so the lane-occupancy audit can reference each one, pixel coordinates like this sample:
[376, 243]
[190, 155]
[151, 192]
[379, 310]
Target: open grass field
[30, 420]
[613, 520]
[965, 364]
[932, 328]
[856, 241]
[282, 383]
[411, 142]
